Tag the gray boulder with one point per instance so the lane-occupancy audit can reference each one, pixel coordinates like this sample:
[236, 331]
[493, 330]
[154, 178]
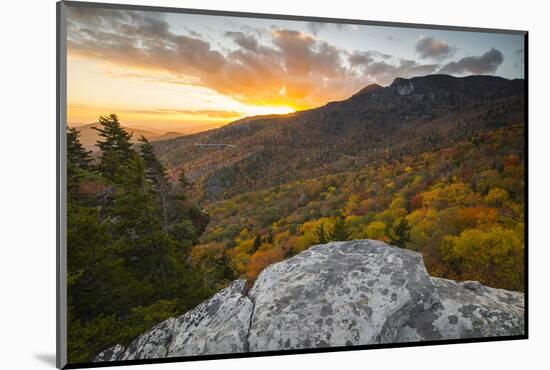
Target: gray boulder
[336, 294]
[111, 354]
[218, 325]
[466, 310]
[152, 344]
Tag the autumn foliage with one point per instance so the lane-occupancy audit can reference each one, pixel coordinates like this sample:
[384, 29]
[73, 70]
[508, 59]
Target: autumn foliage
[462, 207]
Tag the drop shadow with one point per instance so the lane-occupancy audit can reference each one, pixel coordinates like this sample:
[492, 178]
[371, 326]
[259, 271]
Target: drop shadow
[47, 358]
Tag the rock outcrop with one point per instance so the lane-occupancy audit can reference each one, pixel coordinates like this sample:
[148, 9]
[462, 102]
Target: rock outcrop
[466, 310]
[336, 294]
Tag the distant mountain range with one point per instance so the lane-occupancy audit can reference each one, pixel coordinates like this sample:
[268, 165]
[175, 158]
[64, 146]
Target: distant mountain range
[89, 136]
[407, 117]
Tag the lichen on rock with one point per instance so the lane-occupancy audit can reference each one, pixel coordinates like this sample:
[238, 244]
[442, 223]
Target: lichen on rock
[337, 294]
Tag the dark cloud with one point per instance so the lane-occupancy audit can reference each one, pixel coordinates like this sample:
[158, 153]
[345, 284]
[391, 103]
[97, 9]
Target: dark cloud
[375, 67]
[245, 41]
[428, 47]
[315, 27]
[362, 58]
[385, 73]
[141, 40]
[302, 54]
[483, 64]
[94, 16]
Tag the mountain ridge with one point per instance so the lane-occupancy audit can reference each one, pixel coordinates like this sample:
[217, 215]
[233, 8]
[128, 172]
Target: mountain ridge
[89, 136]
[406, 117]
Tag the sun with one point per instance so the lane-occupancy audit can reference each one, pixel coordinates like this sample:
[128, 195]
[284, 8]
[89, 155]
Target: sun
[258, 110]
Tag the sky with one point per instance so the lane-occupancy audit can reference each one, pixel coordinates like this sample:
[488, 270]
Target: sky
[188, 73]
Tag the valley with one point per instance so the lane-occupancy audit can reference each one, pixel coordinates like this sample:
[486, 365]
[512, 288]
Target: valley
[444, 154]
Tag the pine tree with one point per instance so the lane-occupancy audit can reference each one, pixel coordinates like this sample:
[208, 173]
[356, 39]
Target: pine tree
[116, 148]
[78, 161]
[401, 234]
[269, 237]
[126, 271]
[76, 153]
[154, 170]
[224, 268]
[321, 234]
[339, 230]
[257, 242]
[155, 173]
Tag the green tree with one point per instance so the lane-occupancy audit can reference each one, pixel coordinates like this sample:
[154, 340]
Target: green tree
[400, 234]
[78, 160]
[376, 230]
[269, 237]
[77, 155]
[322, 237]
[257, 243]
[339, 231]
[126, 271]
[154, 170]
[493, 256]
[155, 173]
[116, 147]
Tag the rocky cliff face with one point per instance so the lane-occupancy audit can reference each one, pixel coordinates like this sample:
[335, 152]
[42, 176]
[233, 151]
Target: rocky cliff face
[336, 294]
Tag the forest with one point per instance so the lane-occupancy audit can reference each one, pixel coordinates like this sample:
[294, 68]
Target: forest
[142, 249]
[129, 235]
[462, 207]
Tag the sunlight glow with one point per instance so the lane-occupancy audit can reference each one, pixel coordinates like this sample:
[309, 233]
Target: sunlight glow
[152, 100]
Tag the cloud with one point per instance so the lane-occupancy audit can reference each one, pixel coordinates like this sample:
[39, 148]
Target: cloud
[375, 67]
[428, 47]
[139, 39]
[274, 67]
[393, 38]
[310, 70]
[302, 54]
[483, 64]
[358, 58]
[94, 16]
[219, 114]
[315, 27]
[245, 41]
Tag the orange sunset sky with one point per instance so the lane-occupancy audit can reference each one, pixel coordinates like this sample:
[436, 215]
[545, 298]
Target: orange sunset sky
[187, 73]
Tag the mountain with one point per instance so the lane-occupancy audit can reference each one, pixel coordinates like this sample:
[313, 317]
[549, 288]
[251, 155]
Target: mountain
[89, 136]
[337, 294]
[167, 135]
[408, 117]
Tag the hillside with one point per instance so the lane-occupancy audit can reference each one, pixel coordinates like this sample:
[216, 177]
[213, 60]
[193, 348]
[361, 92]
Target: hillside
[408, 117]
[454, 199]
